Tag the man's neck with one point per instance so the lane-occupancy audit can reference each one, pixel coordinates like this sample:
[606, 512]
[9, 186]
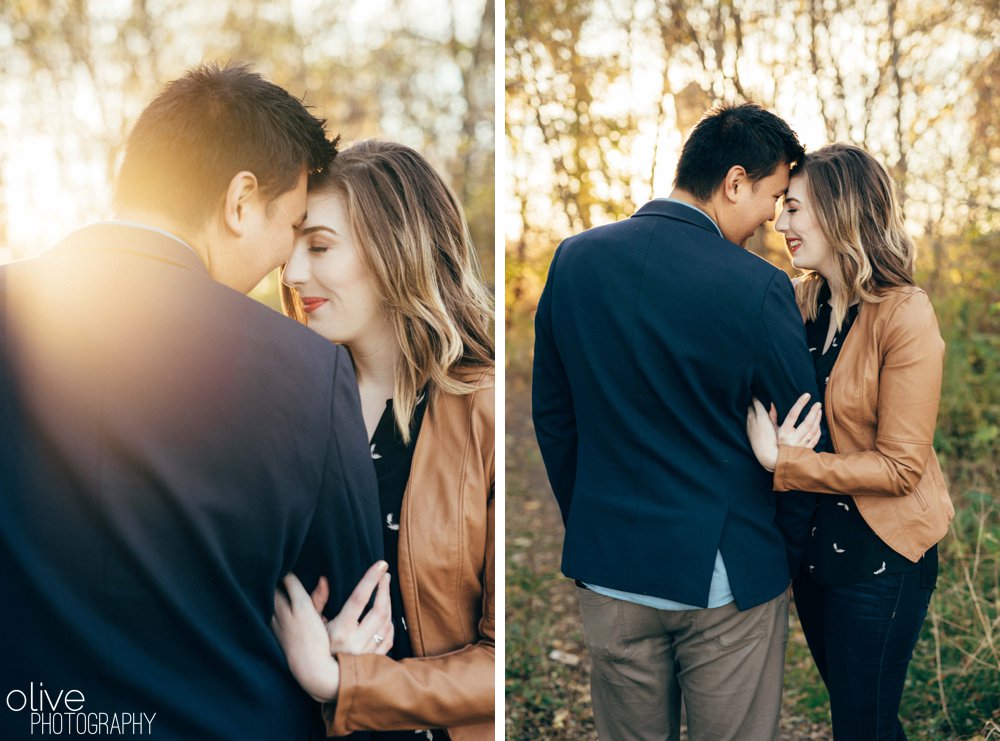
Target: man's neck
[679, 194]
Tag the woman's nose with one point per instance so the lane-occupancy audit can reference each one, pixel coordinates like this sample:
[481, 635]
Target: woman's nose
[296, 270]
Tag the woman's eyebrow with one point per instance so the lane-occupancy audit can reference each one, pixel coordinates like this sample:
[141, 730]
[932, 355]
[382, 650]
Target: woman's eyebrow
[317, 228]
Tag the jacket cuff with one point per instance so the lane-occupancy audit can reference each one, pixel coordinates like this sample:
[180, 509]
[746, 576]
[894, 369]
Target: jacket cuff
[788, 474]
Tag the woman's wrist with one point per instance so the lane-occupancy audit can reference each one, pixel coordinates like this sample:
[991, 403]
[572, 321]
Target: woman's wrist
[768, 457]
[771, 463]
[323, 684]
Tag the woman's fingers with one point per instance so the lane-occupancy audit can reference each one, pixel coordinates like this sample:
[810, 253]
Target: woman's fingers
[817, 430]
[347, 635]
[356, 603]
[773, 415]
[760, 431]
[751, 421]
[387, 636]
[817, 415]
[757, 416]
[378, 617]
[793, 414]
[813, 425]
[303, 639]
[807, 434]
[282, 608]
[297, 593]
[321, 594]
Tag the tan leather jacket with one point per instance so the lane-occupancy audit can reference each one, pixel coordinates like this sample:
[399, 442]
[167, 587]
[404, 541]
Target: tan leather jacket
[446, 575]
[881, 405]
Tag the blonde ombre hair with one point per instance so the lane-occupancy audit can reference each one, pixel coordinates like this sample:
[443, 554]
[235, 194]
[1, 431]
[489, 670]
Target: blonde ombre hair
[415, 242]
[854, 202]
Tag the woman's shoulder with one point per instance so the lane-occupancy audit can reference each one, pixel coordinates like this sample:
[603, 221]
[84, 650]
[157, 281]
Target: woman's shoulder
[476, 395]
[904, 311]
[901, 293]
[468, 415]
[903, 300]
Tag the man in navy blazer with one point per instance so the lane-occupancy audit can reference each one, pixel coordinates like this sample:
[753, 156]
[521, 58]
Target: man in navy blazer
[170, 448]
[652, 336]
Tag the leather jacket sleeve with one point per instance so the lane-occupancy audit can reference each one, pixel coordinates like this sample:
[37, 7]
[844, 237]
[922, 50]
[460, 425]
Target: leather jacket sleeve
[899, 442]
[452, 689]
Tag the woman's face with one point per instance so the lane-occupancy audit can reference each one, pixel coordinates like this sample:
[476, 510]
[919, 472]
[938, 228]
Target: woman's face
[336, 287]
[806, 243]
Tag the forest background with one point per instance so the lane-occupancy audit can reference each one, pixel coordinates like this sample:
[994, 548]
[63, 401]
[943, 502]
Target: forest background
[599, 95]
[75, 74]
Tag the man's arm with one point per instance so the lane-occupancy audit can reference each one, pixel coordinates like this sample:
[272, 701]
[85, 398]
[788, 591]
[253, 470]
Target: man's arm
[552, 402]
[783, 371]
[345, 536]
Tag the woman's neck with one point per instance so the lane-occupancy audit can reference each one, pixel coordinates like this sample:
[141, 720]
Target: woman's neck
[836, 286]
[375, 368]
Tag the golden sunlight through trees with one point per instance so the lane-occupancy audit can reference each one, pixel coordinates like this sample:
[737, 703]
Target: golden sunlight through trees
[75, 76]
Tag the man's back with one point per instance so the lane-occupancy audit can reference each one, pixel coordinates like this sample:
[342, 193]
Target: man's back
[662, 331]
[171, 449]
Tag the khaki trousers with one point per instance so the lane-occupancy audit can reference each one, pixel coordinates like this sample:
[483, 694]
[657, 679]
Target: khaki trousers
[727, 665]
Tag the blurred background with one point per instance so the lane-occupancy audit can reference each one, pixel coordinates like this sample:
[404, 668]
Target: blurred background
[599, 97]
[75, 74]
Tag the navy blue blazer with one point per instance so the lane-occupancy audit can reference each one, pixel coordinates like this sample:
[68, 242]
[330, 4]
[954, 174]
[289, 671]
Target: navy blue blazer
[651, 337]
[169, 449]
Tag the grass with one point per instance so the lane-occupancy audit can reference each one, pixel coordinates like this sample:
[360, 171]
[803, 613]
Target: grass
[953, 687]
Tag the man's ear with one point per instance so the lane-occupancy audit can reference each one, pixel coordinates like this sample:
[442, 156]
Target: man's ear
[735, 180]
[241, 190]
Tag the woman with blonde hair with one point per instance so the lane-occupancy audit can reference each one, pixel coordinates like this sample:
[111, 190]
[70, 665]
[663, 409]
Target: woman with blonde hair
[871, 557]
[384, 265]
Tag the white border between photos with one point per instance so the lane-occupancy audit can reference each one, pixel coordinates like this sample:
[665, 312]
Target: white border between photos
[499, 252]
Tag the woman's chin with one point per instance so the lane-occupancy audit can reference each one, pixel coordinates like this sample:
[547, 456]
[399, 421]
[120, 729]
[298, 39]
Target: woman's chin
[323, 330]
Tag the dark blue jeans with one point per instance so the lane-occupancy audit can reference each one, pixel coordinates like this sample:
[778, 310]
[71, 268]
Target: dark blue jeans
[861, 637]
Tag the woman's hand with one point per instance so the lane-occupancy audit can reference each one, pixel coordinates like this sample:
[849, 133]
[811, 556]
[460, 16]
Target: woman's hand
[766, 435]
[807, 434]
[763, 434]
[310, 641]
[373, 634]
[303, 637]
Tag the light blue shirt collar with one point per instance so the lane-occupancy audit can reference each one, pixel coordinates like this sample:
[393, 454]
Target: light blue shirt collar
[684, 203]
[147, 227]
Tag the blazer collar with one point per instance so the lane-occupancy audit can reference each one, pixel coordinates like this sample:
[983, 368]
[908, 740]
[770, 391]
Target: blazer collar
[679, 211]
[133, 239]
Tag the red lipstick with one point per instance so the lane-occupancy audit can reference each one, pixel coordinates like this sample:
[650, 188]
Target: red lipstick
[311, 303]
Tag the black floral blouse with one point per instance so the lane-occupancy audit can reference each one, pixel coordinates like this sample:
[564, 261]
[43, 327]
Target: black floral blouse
[392, 459]
[842, 548]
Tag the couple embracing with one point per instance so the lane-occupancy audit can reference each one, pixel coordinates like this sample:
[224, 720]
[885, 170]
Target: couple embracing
[713, 433]
[212, 518]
